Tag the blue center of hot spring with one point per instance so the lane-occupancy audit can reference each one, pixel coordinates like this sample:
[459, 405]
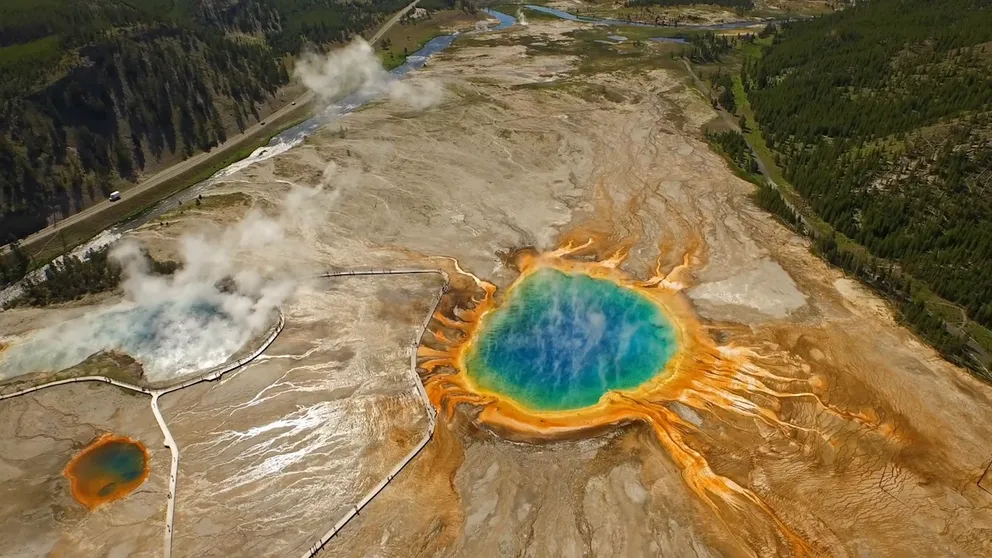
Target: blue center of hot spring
[562, 340]
[117, 461]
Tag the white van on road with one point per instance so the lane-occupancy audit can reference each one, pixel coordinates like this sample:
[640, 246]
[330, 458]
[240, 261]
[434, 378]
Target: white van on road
[115, 195]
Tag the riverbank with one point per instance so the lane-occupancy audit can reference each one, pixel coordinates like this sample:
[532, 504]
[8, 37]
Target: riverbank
[545, 138]
[44, 246]
[66, 238]
[408, 37]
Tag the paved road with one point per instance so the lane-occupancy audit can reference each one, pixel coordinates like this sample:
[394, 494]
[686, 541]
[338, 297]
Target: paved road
[170, 173]
[982, 356]
[392, 21]
[156, 393]
[230, 145]
[732, 124]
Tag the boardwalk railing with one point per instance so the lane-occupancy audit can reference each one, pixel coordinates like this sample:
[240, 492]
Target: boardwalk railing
[418, 387]
[156, 392]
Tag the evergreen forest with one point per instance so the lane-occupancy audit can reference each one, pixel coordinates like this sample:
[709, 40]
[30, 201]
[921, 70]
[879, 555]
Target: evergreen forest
[71, 277]
[885, 129]
[93, 92]
[732, 143]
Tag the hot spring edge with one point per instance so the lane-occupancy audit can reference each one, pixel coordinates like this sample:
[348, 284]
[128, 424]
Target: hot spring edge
[108, 469]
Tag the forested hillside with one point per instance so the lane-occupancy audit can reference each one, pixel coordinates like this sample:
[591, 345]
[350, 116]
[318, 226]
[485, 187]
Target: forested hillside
[94, 91]
[881, 117]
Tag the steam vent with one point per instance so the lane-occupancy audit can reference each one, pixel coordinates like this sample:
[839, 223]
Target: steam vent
[159, 336]
[108, 469]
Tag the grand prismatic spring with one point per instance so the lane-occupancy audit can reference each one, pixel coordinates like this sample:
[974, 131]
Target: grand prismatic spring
[575, 346]
[108, 469]
[561, 341]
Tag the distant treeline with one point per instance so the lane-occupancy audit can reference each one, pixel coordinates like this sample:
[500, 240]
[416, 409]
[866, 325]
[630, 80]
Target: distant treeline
[725, 98]
[140, 97]
[93, 92]
[769, 198]
[709, 47]
[881, 117]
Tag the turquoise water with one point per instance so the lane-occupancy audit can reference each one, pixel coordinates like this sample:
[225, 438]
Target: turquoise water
[561, 341]
[168, 339]
[118, 463]
[107, 470]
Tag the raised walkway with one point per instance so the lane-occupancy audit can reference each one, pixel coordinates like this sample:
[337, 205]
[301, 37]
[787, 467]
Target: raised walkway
[170, 442]
[421, 392]
[156, 393]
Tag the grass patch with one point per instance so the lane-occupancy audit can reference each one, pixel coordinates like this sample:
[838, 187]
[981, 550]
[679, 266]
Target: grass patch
[469, 97]
[41, 52]
[403, 40]
[208, 203]
[635, 33]
[589, 92]
[29, 65]
[767, 159]
[633, 56]
[116, 366]
[531, 15]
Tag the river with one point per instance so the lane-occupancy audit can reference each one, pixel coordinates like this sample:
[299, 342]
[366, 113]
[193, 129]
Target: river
[281, 143]
[295, 135]
[291, 137]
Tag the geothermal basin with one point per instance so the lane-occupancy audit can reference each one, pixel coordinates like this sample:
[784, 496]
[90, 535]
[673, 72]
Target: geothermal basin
[563, 340]
[108, 469]
[170, 339]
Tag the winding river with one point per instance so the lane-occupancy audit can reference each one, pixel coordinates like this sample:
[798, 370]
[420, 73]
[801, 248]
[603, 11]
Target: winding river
[295, 135]
[282, 142]
[291, 137]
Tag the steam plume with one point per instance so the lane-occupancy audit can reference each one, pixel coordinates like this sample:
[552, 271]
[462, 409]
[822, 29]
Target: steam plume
[231, 282]
[356, 70]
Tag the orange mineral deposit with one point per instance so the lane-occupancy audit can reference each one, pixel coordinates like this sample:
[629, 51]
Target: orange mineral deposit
[108, 469]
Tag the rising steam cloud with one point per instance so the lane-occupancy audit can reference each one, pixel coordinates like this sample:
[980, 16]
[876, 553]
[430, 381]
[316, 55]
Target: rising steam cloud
[356, 70]
[227, 292]
[232, 280]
